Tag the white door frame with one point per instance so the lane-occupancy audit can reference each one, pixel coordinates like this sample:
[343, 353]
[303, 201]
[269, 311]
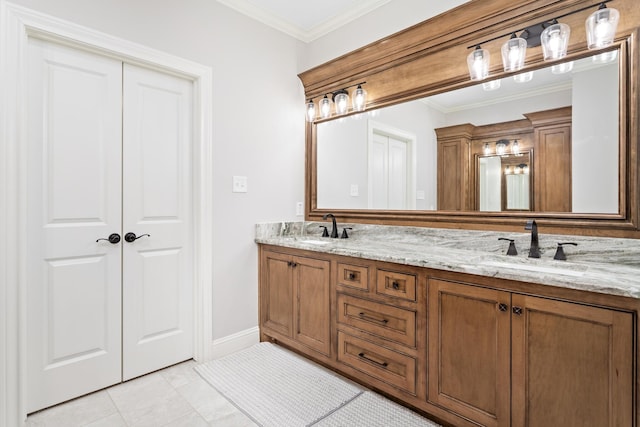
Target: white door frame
[17, 25]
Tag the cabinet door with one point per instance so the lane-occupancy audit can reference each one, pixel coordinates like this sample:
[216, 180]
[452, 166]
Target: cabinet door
[572, 364]
[312, 303]
[276, 293]
[469, 351]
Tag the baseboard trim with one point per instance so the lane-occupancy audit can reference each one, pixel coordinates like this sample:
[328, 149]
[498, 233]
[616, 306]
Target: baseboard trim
[235, 342]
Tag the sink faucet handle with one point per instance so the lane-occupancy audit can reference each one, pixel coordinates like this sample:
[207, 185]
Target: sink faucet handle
[512, 246]
[560, 255]
[344, 232]
[325, 233]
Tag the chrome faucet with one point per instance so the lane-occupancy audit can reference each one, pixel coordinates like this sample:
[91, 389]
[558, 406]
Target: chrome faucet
[334, 229]
[534, 249]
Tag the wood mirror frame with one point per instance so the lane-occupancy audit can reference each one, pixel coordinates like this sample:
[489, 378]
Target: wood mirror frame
[430, 58]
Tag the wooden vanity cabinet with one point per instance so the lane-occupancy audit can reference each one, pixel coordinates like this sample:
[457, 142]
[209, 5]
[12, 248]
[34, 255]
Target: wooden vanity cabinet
[508, 359]
[295, 302]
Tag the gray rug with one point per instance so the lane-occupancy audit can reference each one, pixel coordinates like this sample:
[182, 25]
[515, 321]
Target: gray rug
[276, 388]
[372, 410]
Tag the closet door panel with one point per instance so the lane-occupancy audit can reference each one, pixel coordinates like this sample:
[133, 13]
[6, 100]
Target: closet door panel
[73, 199]
[157, 194]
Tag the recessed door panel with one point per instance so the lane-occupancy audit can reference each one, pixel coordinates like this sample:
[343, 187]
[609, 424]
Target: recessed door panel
[73, 197]
[157, 266]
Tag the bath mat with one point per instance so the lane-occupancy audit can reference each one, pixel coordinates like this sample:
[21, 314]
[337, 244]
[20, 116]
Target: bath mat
[372, 410]
[277, 388]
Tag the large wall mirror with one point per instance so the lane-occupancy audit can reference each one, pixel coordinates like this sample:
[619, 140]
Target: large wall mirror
[388, 158]
[557, 141]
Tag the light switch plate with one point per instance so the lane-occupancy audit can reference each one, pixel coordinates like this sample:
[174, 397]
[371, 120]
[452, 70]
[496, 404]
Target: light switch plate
[299, 209]
[420, 194]
[354, 190]
[239, 184]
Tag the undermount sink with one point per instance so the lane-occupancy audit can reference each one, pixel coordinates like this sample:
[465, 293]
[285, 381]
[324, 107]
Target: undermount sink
[535, 268]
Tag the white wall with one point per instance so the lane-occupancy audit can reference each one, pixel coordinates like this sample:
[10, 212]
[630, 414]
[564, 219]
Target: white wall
[258, 110]
[382, 22]
[253, 66]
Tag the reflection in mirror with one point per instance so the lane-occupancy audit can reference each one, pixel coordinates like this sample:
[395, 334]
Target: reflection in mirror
[504, 182]
[388, 158]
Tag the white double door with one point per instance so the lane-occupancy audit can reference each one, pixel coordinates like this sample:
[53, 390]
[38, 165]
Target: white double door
[109, 154]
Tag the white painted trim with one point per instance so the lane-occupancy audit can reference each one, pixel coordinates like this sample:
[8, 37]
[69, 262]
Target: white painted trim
[17, 24]
[236, 342]
[271, 19]
[397, 133]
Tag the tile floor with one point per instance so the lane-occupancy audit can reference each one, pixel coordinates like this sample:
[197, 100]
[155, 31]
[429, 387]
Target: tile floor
[173, 397]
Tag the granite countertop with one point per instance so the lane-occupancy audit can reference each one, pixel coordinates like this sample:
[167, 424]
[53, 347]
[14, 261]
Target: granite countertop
[597, 264]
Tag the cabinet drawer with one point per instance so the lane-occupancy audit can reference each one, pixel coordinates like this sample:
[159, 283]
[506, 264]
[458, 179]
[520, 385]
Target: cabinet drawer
[398, 285]
[353, 276]
[386, 365]
[386, 321]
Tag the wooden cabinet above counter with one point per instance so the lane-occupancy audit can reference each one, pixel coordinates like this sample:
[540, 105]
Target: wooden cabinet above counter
[463, 349]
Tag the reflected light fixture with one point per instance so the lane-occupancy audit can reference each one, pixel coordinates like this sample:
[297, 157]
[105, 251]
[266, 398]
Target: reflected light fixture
[601, 27]
[311, 111]
[478, 63]
[491, 85]
[507, 170]
[563, 67]
[523, 77]
[513, 53]
[486, 149]
[325, 107]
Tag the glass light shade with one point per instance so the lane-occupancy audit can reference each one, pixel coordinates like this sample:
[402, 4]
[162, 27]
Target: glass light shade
[517, 170]
[562, 68]
[514, 52]
[523, 77]
[601, 28]
[605, 57]
[325, 107]
[501, 148]
[478, 63]
[507, 170]
[492, 85]
[486, 149]
[525, 170]
[359, 99]
[342, 102]
[515, 147]
[555, 40]
[311, 111]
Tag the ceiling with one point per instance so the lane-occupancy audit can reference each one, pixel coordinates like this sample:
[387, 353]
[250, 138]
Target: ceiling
[303, 19]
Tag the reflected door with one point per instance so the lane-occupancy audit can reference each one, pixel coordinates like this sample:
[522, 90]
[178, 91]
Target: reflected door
[388, 170]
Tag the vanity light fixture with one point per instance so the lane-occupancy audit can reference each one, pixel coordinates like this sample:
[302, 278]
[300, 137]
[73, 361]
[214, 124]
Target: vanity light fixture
[478, 62]
[491, 85]
[339, 98]
[359, 98]
[523, 77]
[554, 38]
[311, 111]
[486, 149]
[563, 67]
[325, 107]
[501, 147]
[341, 101]
[513, 53]
[601, 27]
[515, 147]
[555, 41]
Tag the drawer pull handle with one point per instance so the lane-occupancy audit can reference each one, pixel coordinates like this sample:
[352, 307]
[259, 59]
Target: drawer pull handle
[364, 356]
[375, 319]
[395, 285]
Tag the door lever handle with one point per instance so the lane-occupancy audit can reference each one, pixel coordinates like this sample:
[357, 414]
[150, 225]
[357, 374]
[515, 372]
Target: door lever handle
[131, 237]
[113, 238]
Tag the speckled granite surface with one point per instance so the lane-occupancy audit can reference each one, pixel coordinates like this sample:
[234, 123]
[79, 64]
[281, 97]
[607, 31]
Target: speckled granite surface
[605, 265]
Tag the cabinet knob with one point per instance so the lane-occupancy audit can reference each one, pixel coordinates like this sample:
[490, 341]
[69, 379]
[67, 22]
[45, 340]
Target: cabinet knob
[352, 276]
[503, 307]
[517, 311]
[395, 285]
